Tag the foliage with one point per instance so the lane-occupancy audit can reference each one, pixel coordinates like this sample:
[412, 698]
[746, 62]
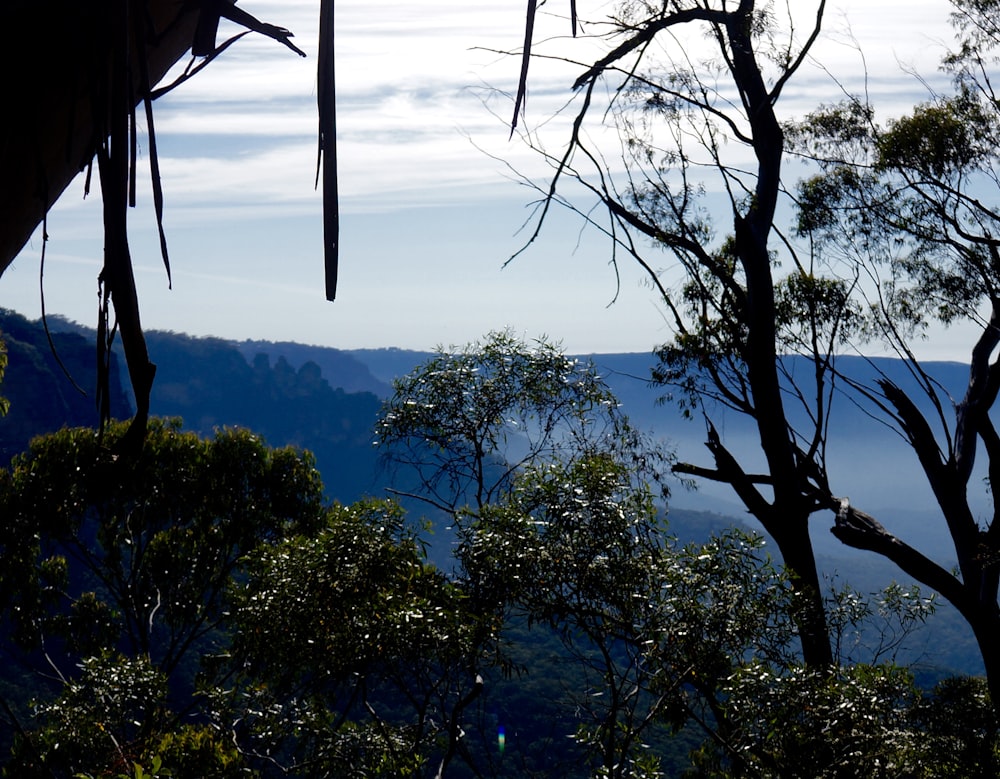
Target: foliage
[105, 552]
[808, 723]
[957, 730]
[113, 577]
[330, 647]
[856, 720]
[110, 722]
[356, 592]
[657, 632]
[467, 420]
[101, 719]
[664, 637]
[581, 547]
[578, 548]
[872, 629]
[349, 648]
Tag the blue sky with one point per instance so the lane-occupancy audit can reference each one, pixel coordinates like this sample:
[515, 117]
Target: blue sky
[429, 214]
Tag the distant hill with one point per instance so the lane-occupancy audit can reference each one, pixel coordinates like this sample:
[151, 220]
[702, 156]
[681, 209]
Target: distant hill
[280, 388]
[867, 460]
[208, 383]
[42, 395]
[326, 400]
[346, 370]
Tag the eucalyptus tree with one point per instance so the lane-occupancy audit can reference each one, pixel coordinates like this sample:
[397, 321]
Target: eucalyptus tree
[114, 575]
[351, 655]
[114, 719]
[695, 90]
[101, 553]
[465, 422]
[897, 231]
[909, 207]
[552, 493]
[654, 630]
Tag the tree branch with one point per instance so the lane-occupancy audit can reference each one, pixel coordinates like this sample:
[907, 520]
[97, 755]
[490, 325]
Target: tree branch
[859, 530]
[646, 34]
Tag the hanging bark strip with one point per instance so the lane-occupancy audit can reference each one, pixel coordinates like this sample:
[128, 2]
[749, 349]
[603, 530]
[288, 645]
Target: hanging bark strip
[327, 99]
[529, 34]
[115, 162]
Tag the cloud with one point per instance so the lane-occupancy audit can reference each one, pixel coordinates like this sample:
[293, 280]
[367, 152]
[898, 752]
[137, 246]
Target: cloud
[429, 206]
[412, 79]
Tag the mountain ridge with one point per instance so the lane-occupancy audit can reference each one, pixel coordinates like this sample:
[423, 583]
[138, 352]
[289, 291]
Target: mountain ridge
[293, 394]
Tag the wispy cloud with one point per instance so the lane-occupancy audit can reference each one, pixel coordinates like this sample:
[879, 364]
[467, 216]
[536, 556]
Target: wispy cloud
[430, 210]
[411, 114]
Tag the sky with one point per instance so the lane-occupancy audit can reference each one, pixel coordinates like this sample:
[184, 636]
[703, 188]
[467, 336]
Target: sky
[433, 202]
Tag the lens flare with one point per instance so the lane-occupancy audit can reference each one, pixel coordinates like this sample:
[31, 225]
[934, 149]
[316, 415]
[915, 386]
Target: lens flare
[501, 738]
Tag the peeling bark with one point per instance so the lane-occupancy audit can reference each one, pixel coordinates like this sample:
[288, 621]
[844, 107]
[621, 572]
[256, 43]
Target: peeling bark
[57, 132]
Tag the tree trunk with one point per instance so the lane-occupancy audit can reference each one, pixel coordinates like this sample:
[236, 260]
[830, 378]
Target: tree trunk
[791, 535]
[987, 632]
[786, 518]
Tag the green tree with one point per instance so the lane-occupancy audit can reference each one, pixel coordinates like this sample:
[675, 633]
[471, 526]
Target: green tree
[354, 657]
[663, 637]
[805, 723]
[469, 419]
[112, 720]
[104, 553]
[654, 630]
[551, 491]
[579, 548]
[957, 727]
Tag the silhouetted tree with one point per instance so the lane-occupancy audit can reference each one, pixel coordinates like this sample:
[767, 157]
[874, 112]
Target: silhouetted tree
[694, 89]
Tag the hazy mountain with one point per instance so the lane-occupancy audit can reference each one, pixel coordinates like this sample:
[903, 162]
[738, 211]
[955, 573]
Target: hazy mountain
[309, 396]
[208, 383]
[342, 369]
[867, 460]
[49, 386]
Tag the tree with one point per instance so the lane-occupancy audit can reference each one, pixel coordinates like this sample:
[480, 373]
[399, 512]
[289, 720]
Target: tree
[655, 629]
[907, 208]
[692, 116]
[353, 656]
[488, 429]
[103, 554]
[468, 420]
[115, 573]
[569, 538]
[103, 59]
[201, 596]
[580, 548]
[112, 721]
